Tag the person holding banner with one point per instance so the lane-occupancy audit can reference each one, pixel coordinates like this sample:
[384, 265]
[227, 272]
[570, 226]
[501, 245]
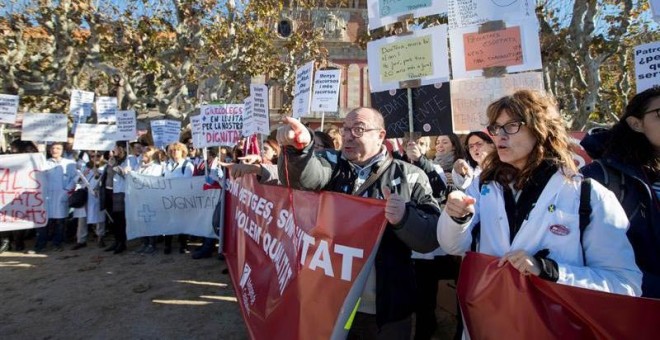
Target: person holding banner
[178, 166]
[150, 166]
[365, 168]
[628, 163]
[532, 207]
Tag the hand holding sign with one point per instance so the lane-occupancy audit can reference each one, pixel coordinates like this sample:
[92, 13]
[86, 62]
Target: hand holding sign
[294, 133]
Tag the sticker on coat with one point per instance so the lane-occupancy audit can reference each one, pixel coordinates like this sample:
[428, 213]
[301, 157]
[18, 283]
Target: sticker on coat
[559, 229]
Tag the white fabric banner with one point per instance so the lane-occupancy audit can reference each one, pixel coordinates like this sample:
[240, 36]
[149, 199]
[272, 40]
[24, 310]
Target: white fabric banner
[168, 206]
[22, 203]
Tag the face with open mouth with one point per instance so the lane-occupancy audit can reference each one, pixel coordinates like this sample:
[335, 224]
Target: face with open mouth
[513, 140]
[479, 148]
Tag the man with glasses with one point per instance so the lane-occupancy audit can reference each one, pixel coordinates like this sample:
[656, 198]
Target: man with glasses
[388, 298]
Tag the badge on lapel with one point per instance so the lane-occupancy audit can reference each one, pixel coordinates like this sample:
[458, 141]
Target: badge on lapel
[559, 229]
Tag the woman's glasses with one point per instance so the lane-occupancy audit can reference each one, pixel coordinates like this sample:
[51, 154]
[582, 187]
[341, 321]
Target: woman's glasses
[657, 112]
[508, 128]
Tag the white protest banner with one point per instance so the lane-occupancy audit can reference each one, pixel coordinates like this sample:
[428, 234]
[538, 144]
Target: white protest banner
[471, 97]
[385, 12]
[515, 47]
[474, 12]
[222, 124]
[8, 108]
[325, 97]
[126, 125]
[647, 65]
[81, 102]
[99, 137]
[422, 55]
[106, 109]
[165, 132]
[260, 108]
[196, 131]
[22, 203]
[44, 127]
[167, 206]
[303, 90]
[248, 117]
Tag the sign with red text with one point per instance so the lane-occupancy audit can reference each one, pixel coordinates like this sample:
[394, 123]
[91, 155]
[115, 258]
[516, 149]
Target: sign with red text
[222, 124]
[22, 203]
[298, 260]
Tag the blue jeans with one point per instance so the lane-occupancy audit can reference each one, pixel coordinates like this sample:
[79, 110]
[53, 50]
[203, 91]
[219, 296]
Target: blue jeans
[57, 227]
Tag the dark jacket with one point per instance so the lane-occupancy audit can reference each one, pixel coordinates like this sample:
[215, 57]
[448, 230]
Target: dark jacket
[637, 201]
[395, 277]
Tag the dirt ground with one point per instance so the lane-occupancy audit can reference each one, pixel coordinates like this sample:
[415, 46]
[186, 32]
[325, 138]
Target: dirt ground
[92, 294]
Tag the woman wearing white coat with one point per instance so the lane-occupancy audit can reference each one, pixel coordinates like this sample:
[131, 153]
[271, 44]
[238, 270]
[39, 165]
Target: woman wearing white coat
[179, 166]
[527, 205]
[90, 178]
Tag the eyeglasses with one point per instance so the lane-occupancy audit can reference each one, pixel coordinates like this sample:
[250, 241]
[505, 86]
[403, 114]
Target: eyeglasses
[476, 145]
[657, 112]
[508, 128]
[356, 131]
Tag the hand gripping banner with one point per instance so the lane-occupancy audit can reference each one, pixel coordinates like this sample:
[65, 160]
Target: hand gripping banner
[298, 278]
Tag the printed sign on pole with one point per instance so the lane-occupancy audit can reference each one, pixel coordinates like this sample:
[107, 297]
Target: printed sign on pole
[303, 90]
[8, 108]
[385, 12]
[196, 131]
[325, 97]
[647, 66]
[80, 104]
[222, 124]
[106, 109]
[260, 108]
[248, 117]
[165, 132]
[126, 125]
[99, 137]
[44, 127]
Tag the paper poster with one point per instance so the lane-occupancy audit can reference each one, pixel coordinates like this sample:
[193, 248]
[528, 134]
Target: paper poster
[44, 127]
[22, 201]
[165, 132]
[248, 117]
[385, 12]
[126, 125]
[106, 109]
[99, 137]
[470, 97]
[325, 97]
[422, 55]
[473, 51]
[80, 104]
[196, 130]
[303, 90]
[647, 66]
[474, 12]
[260, 108]
[8, 108]
[222, 124]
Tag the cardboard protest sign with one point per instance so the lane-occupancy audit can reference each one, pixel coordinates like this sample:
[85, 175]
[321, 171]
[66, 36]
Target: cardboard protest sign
[385, 12]
[471, 97]
[106, 109]
[303, 90]
[280, 257]
[168, 206]
[80, 104]
[325, 97]
[22, 203]
[474, 12]
[99, 137]
[515, 47]
[126, 125]
[165, 132]
[44, 127]
[431, 110]
[8, 108]
[647, 66]
[260, 108]
[422, 55]
[222, 124]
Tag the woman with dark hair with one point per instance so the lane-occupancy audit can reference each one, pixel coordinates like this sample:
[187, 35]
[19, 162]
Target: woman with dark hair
[528, 205]
[448, 149]
[323, 141]
[628, 163]
[479, 145]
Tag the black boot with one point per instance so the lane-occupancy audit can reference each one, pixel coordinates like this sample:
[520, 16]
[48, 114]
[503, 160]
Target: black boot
[112, 247]
[120, 248]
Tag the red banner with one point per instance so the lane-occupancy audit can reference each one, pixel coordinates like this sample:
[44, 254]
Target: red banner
[292, 276]
[501, 303]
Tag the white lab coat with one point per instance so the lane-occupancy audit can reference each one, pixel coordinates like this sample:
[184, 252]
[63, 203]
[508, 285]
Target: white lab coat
[176, 170]
[59, 179]
[554, 224]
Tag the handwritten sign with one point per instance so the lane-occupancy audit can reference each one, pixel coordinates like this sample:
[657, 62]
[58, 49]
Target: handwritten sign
[325, 97]
[463, 13]
[196, 130]
[99, 137]
[80, 104]
[496, 48]
[126, 125]
[385, 12]
[44, 127]
[165, 132]
[8, 108]
[22, 203]
[248, 117]
[647, 65]
[222, 125]
[260, 108]
[422, 55]
[303, 90]
[106, 109]
[471, 97]
[431, 110]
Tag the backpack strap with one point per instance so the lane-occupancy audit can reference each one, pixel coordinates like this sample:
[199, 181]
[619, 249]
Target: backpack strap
[613, 180]
[584, 211]
[183, 166]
